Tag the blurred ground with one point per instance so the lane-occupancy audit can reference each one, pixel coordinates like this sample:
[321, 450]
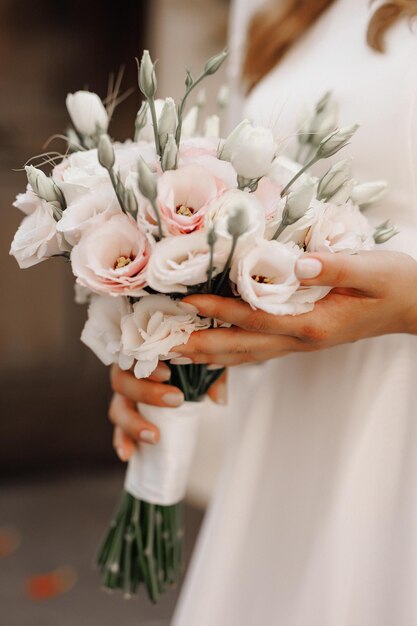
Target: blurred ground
[60, 523]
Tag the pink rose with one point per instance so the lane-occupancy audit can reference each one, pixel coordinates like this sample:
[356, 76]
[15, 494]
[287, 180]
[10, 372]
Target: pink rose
[184, 196]
[112, 258]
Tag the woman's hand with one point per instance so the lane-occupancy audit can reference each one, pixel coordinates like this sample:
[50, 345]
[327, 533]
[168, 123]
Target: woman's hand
[374, 293]
[130, 426]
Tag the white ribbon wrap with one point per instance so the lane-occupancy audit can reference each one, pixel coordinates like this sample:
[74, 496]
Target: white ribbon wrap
[158, 473]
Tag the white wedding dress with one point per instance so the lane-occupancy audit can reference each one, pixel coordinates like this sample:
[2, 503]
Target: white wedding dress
[314, 521]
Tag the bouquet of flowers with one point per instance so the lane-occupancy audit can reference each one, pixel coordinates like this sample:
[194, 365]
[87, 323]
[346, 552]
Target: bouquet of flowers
[178, 211]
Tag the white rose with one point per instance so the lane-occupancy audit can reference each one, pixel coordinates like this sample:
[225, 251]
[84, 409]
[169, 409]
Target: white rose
[265, 278]
[340, 229]
[157, 325]
[87, 112]
[36, 238]
[180, 262]
[102, 331]
[27, 202]
[250, 149]
[220, 211]
[90, 209]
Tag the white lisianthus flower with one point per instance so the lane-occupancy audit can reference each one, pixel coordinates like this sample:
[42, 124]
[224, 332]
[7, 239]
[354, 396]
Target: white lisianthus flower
[102, 331]
[87, 112]
[220, 211]
[250, 149]
[37, 239]
[155, 327]
[112, 257]
[366, 193]
[180, 262]
[265, 278]
[92, 208]
[27, 202]
[298, 231]
[340, 229]
[82, 295]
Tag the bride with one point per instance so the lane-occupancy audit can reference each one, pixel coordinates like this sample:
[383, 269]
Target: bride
[314, 522]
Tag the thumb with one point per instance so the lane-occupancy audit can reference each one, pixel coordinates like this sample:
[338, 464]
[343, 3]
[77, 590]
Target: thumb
[362, 271]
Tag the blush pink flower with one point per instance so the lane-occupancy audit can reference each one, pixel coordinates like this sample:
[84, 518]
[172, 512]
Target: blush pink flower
[184, 195]
[112, 258]
[268, 193]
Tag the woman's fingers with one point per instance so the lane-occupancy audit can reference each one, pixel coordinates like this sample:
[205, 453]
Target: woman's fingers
[235, 341]
[161, 374]
[145, 390]
[218, 390]
[231, 360]
[122, 413]
[124, 445]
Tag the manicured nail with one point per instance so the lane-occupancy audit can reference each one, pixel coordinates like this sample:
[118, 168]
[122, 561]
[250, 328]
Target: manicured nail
[147, 436]
[173, 399]
[121, 453]
[189, 307]
[162, 373]
[308, 268]
[173, 355]
[213, 367]
[181, 360]
[221, 394]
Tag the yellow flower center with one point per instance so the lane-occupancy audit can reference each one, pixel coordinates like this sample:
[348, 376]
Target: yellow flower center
[122, 261]
[264, 280]
[185, 210]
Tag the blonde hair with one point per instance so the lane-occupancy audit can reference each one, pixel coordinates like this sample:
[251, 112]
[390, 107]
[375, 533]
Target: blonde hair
[279, 25]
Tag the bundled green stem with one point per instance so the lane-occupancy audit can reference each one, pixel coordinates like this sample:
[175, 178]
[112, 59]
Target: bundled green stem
[144, 543]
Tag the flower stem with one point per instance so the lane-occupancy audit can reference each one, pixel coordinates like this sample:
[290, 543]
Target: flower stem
[297, 176]
[152, 109]
[226, 267]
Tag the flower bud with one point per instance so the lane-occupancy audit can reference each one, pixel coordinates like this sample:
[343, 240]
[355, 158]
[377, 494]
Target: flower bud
[105, 152]
[141, 119]
[232, 140]
[223, 97]
[131, 202]
[170, 155]
[190, 121]
[334, 178]
[324, 122]
[368, 192]
[212, 237]
[43, 185]
[385, 232]
[167, 123]
[298, 202]
[337, 140]
[87, 112]
[238, 221]
[146, 181]
[212, 126]
[342, 195]
[147, 76]
[215, 62]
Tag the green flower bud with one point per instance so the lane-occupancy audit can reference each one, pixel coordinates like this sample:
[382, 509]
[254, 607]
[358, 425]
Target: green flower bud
[105, 152]
[170, 156]
[131, 202]
[238, 221]
[43, 185]
[141, 119]
[385, 232]
[215, 62]
[298, 202]
[337, 140]
[342, 195]
[146, 182]
[368, 192]
[334, 178]
[147, 76]
[167, 123]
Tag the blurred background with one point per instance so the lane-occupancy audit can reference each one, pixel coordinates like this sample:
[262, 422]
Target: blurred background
[59, 476]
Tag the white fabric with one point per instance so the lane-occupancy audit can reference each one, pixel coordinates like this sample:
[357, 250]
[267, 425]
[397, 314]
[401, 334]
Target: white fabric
[314, 522]
[158, 474]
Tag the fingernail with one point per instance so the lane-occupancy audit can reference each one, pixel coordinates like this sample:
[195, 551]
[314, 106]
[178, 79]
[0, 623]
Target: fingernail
[221, 394]
[190, 307]
[308, 268]
[147, 436]
[173, 399]
[182, 360]
[213, 367]
[173, 355]
[121, 453]
[162, 373]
